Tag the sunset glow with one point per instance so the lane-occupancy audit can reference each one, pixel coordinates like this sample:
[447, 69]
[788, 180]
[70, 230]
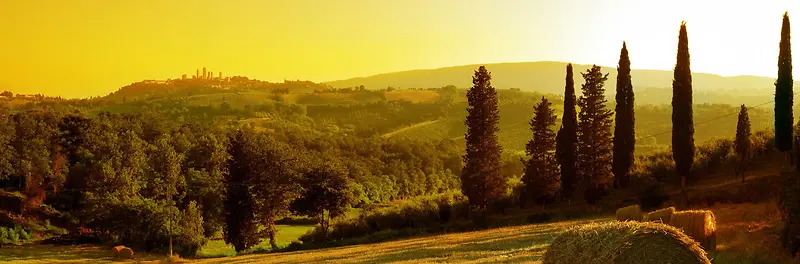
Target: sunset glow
[91, 48]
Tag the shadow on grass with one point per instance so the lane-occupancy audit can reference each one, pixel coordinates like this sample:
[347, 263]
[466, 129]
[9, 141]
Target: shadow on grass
[52, 253]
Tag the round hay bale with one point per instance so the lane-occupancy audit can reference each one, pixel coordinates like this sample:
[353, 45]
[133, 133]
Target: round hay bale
[126, 253]
[116, 250]
[622, 243]
[660, 216]
[700, 225]
[630, 213]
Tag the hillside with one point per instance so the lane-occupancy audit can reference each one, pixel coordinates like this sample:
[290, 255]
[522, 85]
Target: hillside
[548, 77]
[415, 114]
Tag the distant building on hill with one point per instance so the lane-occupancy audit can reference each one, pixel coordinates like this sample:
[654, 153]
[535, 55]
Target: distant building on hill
[205, 76]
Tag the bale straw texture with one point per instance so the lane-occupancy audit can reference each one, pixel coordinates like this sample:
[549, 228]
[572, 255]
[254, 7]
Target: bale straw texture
[630, 213]
[700, 225]
[660, 216]
[117, 249]
[622, 243]
[126, 253]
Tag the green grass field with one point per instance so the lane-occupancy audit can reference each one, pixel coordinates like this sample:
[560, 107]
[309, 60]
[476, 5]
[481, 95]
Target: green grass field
[286, 234]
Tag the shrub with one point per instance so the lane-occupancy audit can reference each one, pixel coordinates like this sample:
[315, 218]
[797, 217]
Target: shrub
[13, 236]
[5, 236]
[191, 237]
[420, 214]
[537, 218]
[652, 196]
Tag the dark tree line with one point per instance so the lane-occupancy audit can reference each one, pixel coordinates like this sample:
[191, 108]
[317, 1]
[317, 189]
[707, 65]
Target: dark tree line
[142, 180]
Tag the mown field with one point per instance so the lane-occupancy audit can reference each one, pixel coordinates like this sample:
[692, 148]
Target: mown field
[747, 233]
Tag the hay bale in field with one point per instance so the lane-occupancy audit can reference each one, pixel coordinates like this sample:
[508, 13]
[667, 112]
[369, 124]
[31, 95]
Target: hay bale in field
[116, 250]
[125, 252]
[622, 243]
[660, 216]
[630, 213]
[700, 225]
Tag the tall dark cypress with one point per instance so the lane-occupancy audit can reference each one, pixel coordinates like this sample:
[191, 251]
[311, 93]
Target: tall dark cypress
[742, 141]
[567, 138]
[624, 130]
[481, 181]
[240, 229]
[784, 96]
[682, 123]
[790, 196]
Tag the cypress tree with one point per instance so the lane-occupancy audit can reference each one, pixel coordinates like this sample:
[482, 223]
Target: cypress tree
[624, 130]
[481, 181]
[540, 176]
[239, 210]
[594, 136]
[742, 142]
[567, 138]
[682, 124]
[784, 95]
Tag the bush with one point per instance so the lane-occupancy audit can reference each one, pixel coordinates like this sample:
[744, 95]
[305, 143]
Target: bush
[5, 237]
[652, 196]
[141, 223]
[13, 235]
[537, 218]
[191, 237]
[424, 213]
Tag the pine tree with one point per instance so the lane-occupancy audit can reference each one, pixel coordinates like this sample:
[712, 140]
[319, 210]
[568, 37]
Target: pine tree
[594, 136]
[742, 142]
[682, 124]
[784, 96]
[624, 129]
[540, 176]
[481, 181]
[567, 138]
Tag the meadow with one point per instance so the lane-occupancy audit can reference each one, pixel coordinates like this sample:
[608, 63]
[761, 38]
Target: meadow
[747, 234]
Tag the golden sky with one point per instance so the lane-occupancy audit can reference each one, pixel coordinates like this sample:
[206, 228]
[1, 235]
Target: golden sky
[81, 48]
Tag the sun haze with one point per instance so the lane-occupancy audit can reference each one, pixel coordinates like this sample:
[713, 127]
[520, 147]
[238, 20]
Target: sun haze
[90, 48]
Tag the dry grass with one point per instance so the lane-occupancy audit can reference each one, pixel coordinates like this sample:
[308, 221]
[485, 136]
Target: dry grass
[746, 234]
[749, 233]
[35, 254]
[521, 244]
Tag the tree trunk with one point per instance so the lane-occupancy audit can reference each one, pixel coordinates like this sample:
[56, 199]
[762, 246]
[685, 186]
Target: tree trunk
[272, 233]
[684, 194]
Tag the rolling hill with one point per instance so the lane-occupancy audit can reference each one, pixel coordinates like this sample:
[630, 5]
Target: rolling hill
[548, 77]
